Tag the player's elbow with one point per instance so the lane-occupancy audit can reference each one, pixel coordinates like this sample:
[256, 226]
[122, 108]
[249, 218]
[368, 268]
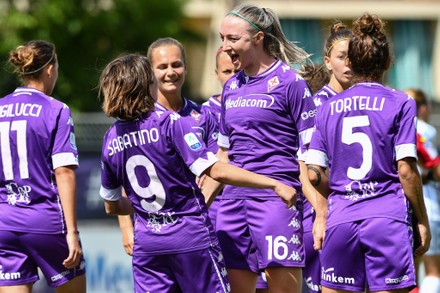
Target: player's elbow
[217, 171]
[111, 207]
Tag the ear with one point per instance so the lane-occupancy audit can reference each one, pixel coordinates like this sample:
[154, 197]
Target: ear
[48, 70]
[259, 37]
[327, 63]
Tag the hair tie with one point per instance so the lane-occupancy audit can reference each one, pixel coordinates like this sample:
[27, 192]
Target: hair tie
[334, 43]
[242, 17]
[35, 71]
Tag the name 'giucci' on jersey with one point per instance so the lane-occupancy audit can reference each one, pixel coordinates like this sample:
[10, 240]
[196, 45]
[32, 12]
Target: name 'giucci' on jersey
[20, 109]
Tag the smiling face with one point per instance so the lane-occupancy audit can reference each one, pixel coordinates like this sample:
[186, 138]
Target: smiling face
[337, 63]
[237, 42]
[169, 69]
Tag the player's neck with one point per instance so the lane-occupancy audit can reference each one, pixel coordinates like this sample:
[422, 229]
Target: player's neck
[172, 103]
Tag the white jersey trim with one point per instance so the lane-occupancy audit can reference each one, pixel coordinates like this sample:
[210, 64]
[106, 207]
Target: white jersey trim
[64, 159]
[213, 100]
[315, 157]
[406, 150]
[302, 156]
[223, 141]
[110, 194]
[306, 135]
[200, 165]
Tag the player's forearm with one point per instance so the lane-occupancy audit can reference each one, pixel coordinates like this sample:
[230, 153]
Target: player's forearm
[66, 183]
[307, 188]
[412, 186]
[125, 222]
[210, 189]
[230, 174]
[319, 180]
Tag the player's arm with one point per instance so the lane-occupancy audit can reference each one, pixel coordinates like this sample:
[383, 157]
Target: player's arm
[126, 227]
[210, 187]
[66, 183]
[412, 186]
[319, 180]
[230, 174]
[118, 207]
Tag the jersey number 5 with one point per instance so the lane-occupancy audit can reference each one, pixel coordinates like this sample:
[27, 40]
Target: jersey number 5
[350, 137]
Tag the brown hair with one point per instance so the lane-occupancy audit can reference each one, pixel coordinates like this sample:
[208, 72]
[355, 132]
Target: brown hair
[316, 76]
[418, 95]
[166, 42]
[338, 32]
[29, 59]
[368, 50]
[125, 84]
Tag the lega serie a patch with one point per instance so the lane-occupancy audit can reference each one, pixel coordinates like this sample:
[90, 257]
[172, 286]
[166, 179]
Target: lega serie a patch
[192, 141]
[72, 141]
[272, 83]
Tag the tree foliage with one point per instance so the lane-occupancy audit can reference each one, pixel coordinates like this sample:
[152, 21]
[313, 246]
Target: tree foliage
[87, 35]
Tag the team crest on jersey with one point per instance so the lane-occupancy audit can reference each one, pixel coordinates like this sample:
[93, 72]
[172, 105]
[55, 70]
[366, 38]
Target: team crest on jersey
[192, 141]
[272, 83]
[196, 115]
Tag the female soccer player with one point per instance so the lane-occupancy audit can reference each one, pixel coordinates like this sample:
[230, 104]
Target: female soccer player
[267, 115]
[367, 137]
[155, 156]
[38, 159]
[335, 57]
[168, 58]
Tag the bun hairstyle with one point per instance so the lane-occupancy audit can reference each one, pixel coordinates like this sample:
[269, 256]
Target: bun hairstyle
[369, 51]
[338, 33]
[29, 59]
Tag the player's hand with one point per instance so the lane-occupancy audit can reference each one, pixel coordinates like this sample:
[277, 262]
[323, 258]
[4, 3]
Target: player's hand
[425, 239]
[319, 227]
[75, 251]
[128, 239]
[287, 194]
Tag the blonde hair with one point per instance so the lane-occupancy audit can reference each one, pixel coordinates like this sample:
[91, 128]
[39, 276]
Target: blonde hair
[275, 42]
[29, 59]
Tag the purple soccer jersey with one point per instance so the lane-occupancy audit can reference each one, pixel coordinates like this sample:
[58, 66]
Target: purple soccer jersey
[319, 99]
[360, 135]
[155, 159]
[213, 106]
[264, 120]
[36, 137]
[207, 126]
